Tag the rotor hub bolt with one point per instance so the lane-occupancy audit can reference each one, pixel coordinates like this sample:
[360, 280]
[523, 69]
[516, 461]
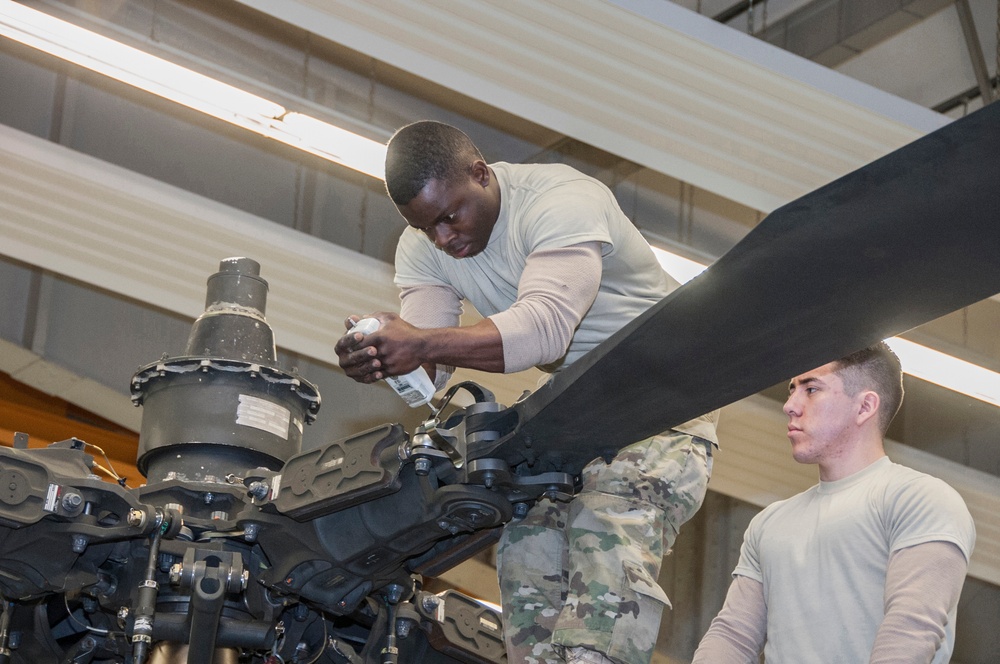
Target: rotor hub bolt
[136, 518]
[259, 490]
[403, 627]
[71, 501]
[250, 532]
[80, 543]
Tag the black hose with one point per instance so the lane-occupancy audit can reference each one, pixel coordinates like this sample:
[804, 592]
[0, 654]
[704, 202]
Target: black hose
[142, 628]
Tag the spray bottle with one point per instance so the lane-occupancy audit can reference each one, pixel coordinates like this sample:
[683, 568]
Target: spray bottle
[415, 387]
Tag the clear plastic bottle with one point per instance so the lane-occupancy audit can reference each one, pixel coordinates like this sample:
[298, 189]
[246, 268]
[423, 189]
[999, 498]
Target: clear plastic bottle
[416, 387]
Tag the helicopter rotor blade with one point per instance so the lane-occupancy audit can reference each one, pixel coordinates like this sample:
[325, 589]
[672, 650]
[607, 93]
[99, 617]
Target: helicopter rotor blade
[906, 239]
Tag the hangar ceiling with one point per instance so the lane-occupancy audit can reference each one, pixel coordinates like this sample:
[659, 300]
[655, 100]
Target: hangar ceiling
[116, 206]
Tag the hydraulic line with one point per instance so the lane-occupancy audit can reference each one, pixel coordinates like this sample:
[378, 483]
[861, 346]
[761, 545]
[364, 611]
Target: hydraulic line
[142, 629]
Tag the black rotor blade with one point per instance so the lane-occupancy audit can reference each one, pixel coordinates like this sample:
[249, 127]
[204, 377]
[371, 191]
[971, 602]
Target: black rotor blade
[904, 240]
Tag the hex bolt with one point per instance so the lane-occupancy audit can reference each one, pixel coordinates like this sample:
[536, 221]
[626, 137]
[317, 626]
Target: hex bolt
[71, 501]
[520, 510]
[176, 572]
[403, 627]
[250, 531]
[209, 497]
[80, 543]
[430, 603]
[422, 466]
[259, 490]
[136, 518]
[300, 612]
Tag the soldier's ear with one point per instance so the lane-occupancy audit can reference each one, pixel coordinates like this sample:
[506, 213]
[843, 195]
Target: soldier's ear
[480, 172]
[868, 407]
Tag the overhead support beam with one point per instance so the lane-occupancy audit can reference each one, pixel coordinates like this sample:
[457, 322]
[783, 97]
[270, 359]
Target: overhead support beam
[975, 50]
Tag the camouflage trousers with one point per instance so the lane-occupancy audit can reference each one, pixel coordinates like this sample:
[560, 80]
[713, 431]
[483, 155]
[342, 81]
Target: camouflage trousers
[584, 573]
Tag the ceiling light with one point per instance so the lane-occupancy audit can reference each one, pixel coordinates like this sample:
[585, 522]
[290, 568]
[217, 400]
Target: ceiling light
[918, 361]
[184, 86]
[330, 142]
[947, 371]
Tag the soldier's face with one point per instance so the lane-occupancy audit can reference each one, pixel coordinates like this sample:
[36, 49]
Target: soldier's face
[820, 415]
[458, 217]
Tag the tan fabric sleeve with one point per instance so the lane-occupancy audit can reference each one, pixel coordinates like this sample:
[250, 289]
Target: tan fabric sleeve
[429, 307]
[555, 291]
[737, 634]
[922, 586]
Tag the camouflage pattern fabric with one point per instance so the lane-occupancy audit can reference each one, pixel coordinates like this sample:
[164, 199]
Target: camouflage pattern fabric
[584, 573]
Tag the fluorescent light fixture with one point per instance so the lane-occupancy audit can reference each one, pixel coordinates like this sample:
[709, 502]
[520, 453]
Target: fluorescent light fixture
[333, 143]
[947, 371]
[184, 86]
[918, 361]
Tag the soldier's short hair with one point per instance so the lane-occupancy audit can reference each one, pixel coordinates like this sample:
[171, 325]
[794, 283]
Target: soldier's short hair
[425, 151]
[875, 368]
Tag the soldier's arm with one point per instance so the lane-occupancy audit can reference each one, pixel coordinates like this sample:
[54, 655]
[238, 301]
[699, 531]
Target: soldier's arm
[922, 586]
[737, 634]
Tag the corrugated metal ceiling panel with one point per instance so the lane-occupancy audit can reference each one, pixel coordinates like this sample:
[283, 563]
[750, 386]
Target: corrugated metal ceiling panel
[655, 84]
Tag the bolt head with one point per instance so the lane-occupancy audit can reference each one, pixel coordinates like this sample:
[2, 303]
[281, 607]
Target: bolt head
[136, 518]
[80, 543]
